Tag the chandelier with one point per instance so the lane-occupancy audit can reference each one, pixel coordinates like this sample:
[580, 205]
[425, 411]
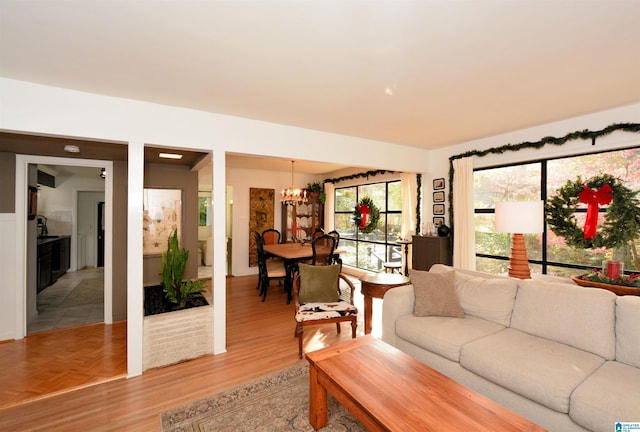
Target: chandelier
[293, 195]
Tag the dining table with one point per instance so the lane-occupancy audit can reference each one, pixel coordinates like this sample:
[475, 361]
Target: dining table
[292, 254]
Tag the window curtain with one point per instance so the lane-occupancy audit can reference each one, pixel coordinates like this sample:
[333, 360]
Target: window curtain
[329, 207]
[409, 187]
[464, 239]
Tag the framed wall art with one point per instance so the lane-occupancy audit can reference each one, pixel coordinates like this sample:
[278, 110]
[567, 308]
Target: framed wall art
[261, 217]
[162, 215]
[438, 220]
[438, 184]
[438, 197]
[438, 209]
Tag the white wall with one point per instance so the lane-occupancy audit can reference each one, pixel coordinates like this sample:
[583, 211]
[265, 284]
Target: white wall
[438, 165]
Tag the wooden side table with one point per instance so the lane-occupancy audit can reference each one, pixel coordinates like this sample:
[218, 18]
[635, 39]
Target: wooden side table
[376, 285]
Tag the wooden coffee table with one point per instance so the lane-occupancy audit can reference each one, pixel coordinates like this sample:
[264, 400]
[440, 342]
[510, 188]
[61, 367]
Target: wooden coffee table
[388, 390]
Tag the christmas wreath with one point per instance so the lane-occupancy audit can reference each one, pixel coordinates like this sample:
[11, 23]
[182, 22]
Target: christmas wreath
[621, 220]
[366, 215]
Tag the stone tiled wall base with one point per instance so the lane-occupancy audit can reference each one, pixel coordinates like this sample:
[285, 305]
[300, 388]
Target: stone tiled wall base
[176, 336]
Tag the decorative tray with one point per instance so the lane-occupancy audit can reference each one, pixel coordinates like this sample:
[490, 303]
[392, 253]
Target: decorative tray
[617, 289]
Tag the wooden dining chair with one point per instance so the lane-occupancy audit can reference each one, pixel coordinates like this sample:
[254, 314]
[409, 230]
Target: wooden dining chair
[271, 236]
[323, 248]
[268, 270]
[319, 299]
[336, 259]
[319, 232]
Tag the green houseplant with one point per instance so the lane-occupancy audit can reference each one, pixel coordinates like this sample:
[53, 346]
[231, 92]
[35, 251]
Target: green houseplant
[174, 262]
[316, 190]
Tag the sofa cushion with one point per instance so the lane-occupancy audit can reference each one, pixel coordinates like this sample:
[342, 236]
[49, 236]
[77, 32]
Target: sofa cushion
[435, 294]
[490, 299]
[536, 368]
[628, 330]
[608, 396]
[583, 318]
[441, 335]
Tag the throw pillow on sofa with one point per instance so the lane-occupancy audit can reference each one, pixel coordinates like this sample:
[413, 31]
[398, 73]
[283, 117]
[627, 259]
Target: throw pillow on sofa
[435, 294]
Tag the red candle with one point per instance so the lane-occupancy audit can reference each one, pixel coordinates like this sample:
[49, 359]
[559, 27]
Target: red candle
[613, 269]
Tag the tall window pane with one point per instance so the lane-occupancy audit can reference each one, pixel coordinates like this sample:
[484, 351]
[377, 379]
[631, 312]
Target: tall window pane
[370, 251]
[524, 182]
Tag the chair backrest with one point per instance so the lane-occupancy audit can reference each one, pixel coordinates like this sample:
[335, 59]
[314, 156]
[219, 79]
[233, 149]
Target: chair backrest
[262, 259]
[323, 248]
[344, 288]
[271, 236]
[319, 232]
[335, 234]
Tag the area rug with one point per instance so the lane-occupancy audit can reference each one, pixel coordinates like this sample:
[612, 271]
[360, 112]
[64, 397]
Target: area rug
[279, 402]
[88, 292]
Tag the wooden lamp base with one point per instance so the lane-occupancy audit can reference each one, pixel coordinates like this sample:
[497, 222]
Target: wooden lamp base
[519, 263]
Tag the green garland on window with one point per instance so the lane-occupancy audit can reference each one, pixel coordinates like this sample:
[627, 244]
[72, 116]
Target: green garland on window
[359, 175]
[621, 222]
[577, 135]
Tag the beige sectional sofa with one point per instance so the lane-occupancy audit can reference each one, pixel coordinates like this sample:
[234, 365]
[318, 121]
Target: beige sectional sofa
[564, 356]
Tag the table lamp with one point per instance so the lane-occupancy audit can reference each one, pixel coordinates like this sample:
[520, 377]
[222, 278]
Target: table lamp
[518, 218]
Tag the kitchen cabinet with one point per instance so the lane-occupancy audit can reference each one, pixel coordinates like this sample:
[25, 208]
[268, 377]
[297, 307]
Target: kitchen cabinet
[430, 250]
[54, 256]
[300, 221]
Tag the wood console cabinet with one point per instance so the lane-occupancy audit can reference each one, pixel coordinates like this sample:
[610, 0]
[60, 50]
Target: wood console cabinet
[299, 222]
[430, 250]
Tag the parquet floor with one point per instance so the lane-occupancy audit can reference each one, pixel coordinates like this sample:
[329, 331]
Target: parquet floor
[55, 361]
[260, 341]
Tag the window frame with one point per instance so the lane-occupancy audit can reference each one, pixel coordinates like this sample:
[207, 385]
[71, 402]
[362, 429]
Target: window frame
[384, 217]
[544, 261]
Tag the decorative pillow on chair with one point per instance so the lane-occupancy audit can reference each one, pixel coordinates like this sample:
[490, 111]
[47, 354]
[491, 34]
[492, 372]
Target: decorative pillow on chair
[435, 294]
[318, 284]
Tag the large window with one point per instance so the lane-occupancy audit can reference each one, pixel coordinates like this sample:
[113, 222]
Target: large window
[547, 252]
[370, 251]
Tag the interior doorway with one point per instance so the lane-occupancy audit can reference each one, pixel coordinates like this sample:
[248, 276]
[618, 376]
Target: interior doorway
[76, 297]
[61, 213]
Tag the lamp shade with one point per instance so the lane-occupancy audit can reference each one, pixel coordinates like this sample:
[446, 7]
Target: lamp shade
[522, 217]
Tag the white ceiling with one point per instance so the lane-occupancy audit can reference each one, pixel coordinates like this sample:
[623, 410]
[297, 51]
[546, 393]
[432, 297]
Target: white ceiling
[422, 73]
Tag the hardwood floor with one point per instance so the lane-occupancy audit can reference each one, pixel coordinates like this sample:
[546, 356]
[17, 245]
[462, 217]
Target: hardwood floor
[260, 341]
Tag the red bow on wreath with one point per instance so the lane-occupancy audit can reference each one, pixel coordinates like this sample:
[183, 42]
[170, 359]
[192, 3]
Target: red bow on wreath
[592, 198]
[364, 211]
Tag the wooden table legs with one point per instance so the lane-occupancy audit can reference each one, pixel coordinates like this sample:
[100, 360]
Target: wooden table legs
[318, 411]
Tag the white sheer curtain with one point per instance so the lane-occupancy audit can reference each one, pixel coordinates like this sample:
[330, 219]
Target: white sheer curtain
[464, 239]
[409, 186]
[329, 206]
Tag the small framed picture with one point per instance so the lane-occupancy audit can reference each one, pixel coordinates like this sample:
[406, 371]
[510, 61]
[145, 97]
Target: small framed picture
[438, 220]
[438, 184]
[438, 197]
[438, 209]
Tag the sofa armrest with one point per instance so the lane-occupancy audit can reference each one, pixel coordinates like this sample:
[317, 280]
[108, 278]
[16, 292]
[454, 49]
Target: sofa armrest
[397, 302]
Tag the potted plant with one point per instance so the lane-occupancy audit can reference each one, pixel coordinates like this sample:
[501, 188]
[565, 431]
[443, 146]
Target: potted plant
[174, 262]
[175, 327]
[316, 191]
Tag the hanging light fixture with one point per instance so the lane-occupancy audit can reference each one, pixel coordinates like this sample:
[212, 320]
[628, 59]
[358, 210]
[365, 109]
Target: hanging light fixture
[293, 195]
